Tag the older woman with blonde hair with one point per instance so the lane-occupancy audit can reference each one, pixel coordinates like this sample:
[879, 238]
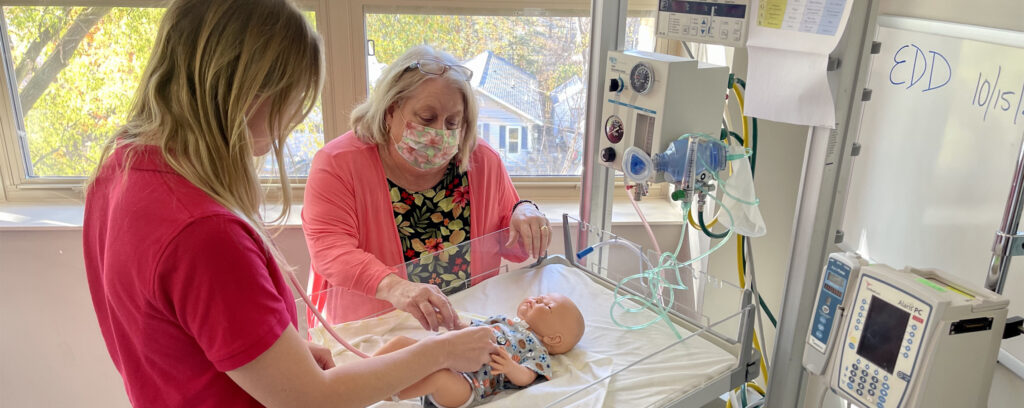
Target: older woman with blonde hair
[410, 179]
[186, 283]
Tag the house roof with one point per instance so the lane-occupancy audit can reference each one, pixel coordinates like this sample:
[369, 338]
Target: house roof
[507, 84]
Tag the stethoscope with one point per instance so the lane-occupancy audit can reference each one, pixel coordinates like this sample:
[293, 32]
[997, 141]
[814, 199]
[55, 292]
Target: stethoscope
[319, 317]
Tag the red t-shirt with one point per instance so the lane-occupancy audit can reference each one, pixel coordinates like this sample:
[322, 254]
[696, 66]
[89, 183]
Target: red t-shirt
[184, 290]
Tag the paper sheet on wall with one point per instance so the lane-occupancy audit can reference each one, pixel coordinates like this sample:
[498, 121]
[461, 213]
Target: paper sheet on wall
[788, 46]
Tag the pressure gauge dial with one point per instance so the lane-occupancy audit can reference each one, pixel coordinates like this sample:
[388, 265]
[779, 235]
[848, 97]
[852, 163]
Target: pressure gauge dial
[613, 129]
[641, 77]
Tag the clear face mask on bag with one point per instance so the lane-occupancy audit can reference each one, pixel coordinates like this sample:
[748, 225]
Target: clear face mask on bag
[740, 198]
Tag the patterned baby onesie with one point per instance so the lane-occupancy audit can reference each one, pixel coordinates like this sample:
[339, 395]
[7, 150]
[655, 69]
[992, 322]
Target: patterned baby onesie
[521, 344]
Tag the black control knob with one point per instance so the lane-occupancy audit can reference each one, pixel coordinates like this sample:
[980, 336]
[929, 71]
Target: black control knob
[608, 154]
[615, 85]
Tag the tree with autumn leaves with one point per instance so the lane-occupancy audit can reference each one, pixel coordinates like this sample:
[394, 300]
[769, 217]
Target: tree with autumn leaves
[76, 70]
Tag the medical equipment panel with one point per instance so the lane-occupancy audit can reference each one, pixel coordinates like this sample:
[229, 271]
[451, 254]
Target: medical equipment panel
[909, 336]
[721, 22]
[831, 303]
[653, 99]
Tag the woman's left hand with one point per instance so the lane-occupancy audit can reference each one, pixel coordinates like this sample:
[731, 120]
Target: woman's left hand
[529, 226]
[322, 355]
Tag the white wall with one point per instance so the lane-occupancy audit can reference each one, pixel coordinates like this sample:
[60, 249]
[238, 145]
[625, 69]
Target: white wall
[1005, 14]
[51, 350]
[53, 354]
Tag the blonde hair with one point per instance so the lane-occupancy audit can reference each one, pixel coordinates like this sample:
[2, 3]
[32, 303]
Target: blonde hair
[393, 88]
[212, 63]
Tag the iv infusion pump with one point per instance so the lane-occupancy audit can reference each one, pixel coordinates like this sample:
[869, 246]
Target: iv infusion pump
[904, 338]
[840, 270]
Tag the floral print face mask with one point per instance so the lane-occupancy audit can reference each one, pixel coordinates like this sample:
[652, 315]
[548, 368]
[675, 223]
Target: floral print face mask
[428, 148]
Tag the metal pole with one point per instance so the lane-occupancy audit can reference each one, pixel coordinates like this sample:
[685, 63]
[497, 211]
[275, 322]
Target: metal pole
[1008, 228]
[820, 206]
[607, 32]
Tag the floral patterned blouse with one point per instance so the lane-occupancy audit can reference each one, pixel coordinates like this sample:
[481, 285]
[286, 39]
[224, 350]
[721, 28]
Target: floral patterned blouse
[432, 220]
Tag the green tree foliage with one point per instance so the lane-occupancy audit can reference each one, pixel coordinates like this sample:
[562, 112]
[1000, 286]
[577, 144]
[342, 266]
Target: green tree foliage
[77, 70]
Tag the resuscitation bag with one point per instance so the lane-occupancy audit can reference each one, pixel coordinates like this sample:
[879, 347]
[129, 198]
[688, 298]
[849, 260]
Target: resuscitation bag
[740, 198]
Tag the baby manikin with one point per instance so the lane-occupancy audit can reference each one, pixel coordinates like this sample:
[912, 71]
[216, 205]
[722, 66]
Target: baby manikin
[544, 326]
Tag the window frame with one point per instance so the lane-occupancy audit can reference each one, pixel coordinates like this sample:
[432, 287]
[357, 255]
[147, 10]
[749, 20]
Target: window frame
[341, 24]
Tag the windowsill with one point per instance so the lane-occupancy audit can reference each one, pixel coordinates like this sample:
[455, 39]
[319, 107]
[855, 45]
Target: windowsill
[58, 216]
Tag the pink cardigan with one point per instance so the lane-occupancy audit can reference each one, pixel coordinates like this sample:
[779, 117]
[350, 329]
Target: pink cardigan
[350, 225]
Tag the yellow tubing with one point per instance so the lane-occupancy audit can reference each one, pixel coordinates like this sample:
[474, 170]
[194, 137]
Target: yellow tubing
[743, 117]
[694, 223]
[756, 387]
[751, 384]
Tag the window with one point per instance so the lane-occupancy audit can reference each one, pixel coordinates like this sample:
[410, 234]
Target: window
[513, 140]
[72, 72]
[68, 71]
[529, 74]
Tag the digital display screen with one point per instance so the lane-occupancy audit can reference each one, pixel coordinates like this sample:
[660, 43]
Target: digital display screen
[837, 280]
[703, 8]
[884, 328]
[834, 291]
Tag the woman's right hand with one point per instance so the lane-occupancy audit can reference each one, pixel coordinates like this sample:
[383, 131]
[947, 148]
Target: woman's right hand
[423, 301]
[468, 349]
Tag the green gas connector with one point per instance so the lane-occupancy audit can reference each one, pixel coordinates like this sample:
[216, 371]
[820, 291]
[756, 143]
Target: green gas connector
[679, 195]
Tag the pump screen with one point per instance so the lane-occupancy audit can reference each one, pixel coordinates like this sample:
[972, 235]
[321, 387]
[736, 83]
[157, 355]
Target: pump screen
[704, 8]
[883, 333]
[837, 280]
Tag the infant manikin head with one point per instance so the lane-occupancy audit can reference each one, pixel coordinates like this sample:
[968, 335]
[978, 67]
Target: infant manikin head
[555, 320]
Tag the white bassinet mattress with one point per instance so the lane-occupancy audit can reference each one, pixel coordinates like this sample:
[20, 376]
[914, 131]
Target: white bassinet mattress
[605, 347]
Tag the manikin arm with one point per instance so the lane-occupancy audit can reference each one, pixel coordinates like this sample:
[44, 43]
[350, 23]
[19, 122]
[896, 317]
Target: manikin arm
[286, 375]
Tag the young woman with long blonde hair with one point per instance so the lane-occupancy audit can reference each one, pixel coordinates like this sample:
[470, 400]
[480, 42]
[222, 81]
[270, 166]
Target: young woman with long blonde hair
[186, 282]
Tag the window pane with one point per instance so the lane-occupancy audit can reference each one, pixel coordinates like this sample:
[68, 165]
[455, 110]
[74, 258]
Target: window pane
[304, 141]
[529, 72]
[76, 70]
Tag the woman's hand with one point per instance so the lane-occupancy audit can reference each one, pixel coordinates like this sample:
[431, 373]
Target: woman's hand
[322, 355]
[423, 301]
[530, 226]
[467, 349]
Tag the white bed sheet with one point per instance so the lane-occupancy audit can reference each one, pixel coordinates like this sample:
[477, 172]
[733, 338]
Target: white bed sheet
[603, 349]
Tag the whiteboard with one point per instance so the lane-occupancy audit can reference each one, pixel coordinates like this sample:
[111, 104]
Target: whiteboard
[940, 138]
